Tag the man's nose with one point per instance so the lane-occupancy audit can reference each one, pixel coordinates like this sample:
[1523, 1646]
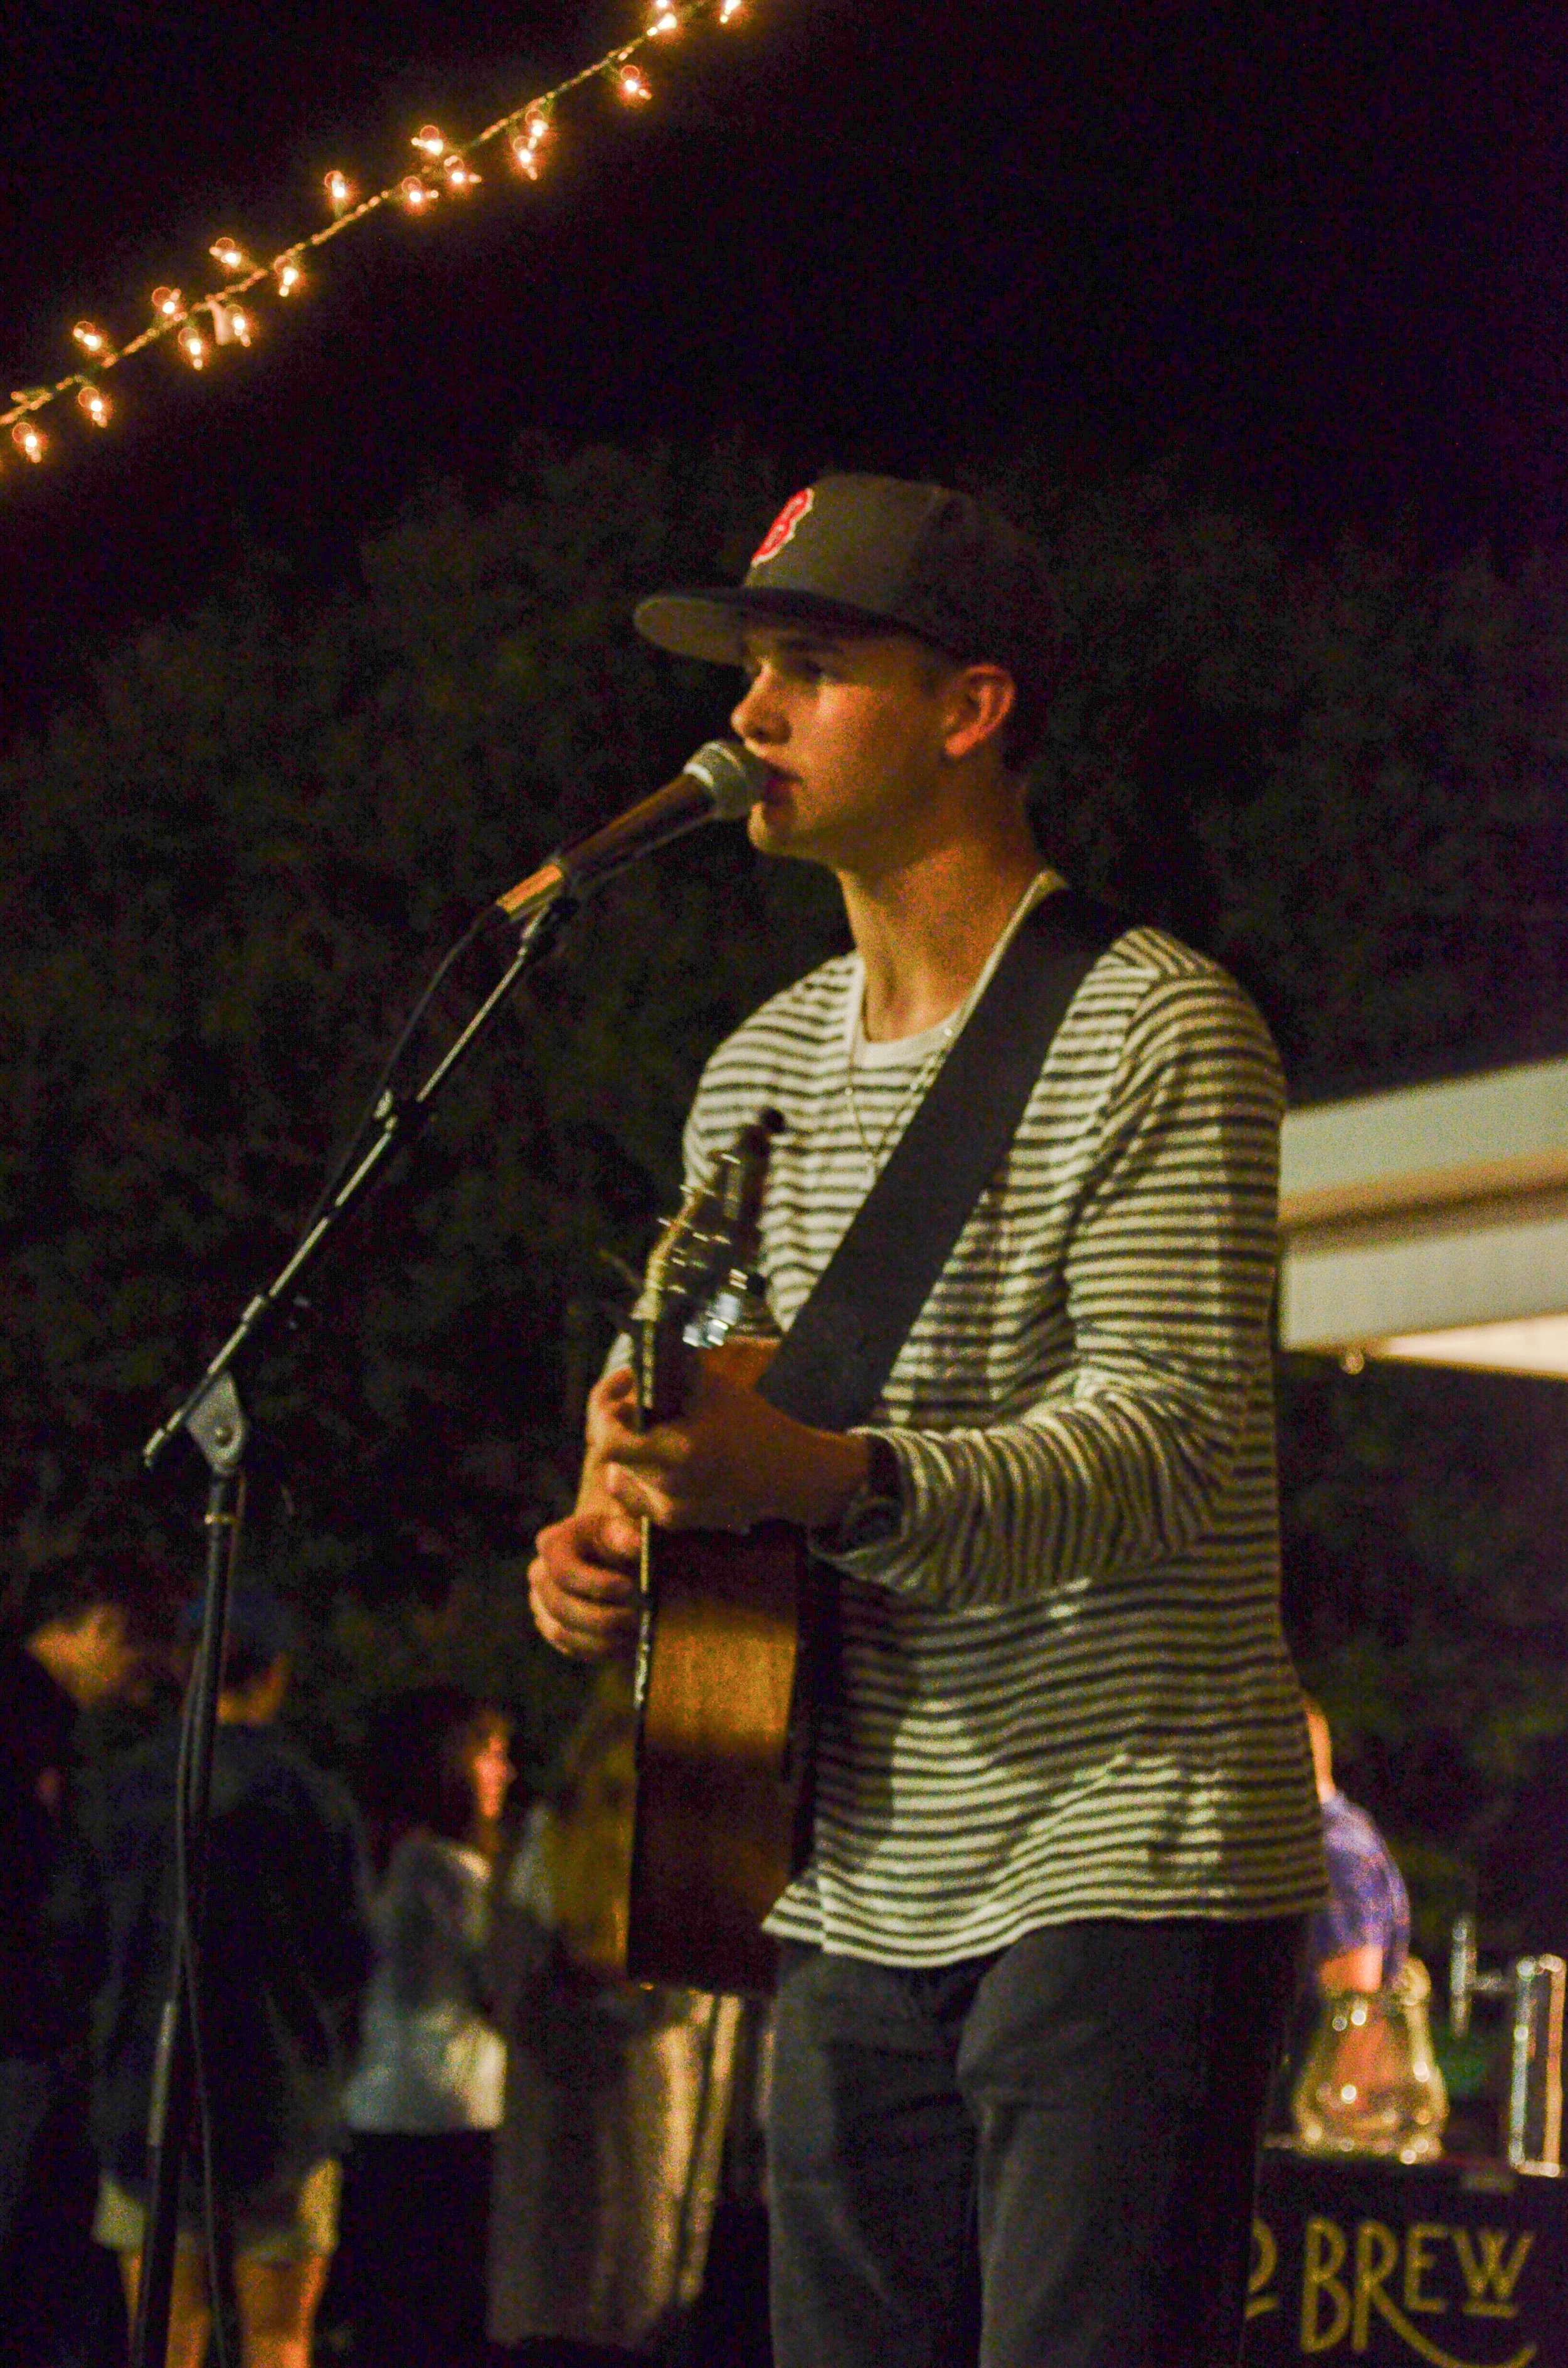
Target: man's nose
[758, 716]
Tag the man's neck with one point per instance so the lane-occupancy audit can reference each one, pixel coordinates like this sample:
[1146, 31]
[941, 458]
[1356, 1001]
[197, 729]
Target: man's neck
[925, 932]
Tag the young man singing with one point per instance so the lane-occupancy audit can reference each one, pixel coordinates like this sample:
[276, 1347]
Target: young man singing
[1033, 1974]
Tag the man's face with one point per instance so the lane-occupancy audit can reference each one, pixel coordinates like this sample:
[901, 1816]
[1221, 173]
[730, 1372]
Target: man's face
[490, 1769]
[107, 1661]
[852, 730]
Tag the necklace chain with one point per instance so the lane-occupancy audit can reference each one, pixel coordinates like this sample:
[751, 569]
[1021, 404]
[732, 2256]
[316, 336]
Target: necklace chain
[916, 1086]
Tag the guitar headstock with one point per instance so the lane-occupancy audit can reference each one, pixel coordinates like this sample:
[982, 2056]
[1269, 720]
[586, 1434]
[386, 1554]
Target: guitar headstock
[714, 1233]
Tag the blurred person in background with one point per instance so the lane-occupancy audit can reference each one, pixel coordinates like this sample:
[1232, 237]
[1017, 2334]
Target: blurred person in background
[1359, 1938]
[608, 2156]
[71, 1652]
[426, 2094]
[287, 1950]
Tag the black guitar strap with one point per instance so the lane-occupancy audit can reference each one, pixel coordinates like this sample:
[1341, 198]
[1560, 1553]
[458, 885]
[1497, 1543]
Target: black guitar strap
[831, 1365]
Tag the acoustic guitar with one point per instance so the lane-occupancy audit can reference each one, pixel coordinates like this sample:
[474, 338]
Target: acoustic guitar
[722, 1815]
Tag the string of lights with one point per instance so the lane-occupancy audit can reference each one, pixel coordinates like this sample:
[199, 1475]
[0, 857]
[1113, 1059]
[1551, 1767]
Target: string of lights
[226, 315]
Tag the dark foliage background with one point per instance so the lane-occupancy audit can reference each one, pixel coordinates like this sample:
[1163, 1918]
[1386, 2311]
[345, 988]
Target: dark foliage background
[224, 873]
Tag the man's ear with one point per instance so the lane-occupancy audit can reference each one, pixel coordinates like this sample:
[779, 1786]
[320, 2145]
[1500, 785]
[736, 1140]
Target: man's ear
[981, 698]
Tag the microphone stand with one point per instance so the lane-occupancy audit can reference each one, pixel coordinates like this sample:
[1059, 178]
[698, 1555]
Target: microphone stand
[213, 1419]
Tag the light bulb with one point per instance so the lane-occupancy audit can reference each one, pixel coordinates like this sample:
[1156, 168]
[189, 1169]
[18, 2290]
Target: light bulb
[339, 191]
[530, 138]
[193, 345]
[290, 276]
[634, 85]
[665, 18]
[169, 303]
[228, 253]
[429, 142]
[242, 328]
[729, 10]
[461, 176]
[416, 195]
[96, 406]
[91, 339]
[30, 441]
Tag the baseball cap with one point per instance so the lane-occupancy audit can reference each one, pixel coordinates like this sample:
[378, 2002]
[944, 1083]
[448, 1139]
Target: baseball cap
[880, 553]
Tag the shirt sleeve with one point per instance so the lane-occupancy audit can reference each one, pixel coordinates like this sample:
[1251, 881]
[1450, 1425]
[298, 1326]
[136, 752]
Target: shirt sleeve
[1168, 1277]
[1368, 1905]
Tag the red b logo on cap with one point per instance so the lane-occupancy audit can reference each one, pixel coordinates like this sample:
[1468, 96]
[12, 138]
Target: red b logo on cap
[783, 526]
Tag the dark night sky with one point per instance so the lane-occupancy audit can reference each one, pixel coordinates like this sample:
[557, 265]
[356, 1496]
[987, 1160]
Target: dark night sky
[1317, 250]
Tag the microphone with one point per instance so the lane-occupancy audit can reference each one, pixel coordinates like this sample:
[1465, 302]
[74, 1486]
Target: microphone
[719, 784]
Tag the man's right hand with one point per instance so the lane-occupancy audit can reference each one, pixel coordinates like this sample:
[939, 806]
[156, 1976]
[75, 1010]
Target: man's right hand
[583, 1580]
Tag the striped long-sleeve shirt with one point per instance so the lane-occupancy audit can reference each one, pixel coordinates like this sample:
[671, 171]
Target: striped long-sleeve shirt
[1062, 1690]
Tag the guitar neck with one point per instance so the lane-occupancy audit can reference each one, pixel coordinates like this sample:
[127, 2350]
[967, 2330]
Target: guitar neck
[661, 1363]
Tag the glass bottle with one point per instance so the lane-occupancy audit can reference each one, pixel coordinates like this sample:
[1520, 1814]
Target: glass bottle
[1370, 2083]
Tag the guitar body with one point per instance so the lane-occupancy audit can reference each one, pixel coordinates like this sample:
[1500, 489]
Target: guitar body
[722, 1817]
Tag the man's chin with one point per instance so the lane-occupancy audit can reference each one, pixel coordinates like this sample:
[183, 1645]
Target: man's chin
[772, 834]
[767, 828]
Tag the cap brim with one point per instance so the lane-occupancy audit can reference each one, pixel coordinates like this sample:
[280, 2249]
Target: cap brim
[711, 624]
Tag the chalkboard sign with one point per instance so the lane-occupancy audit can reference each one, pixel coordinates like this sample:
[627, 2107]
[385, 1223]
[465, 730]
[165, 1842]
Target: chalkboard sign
[1456, 2264]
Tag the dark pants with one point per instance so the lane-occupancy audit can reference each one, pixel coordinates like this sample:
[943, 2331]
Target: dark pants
[411, 2268]
[1042, 2159]
[56, 2305]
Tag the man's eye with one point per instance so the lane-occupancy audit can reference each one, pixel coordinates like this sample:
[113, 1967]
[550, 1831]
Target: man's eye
[792, 666]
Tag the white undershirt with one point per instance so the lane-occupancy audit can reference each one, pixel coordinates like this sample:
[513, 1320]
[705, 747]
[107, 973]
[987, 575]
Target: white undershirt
[862, 1052]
